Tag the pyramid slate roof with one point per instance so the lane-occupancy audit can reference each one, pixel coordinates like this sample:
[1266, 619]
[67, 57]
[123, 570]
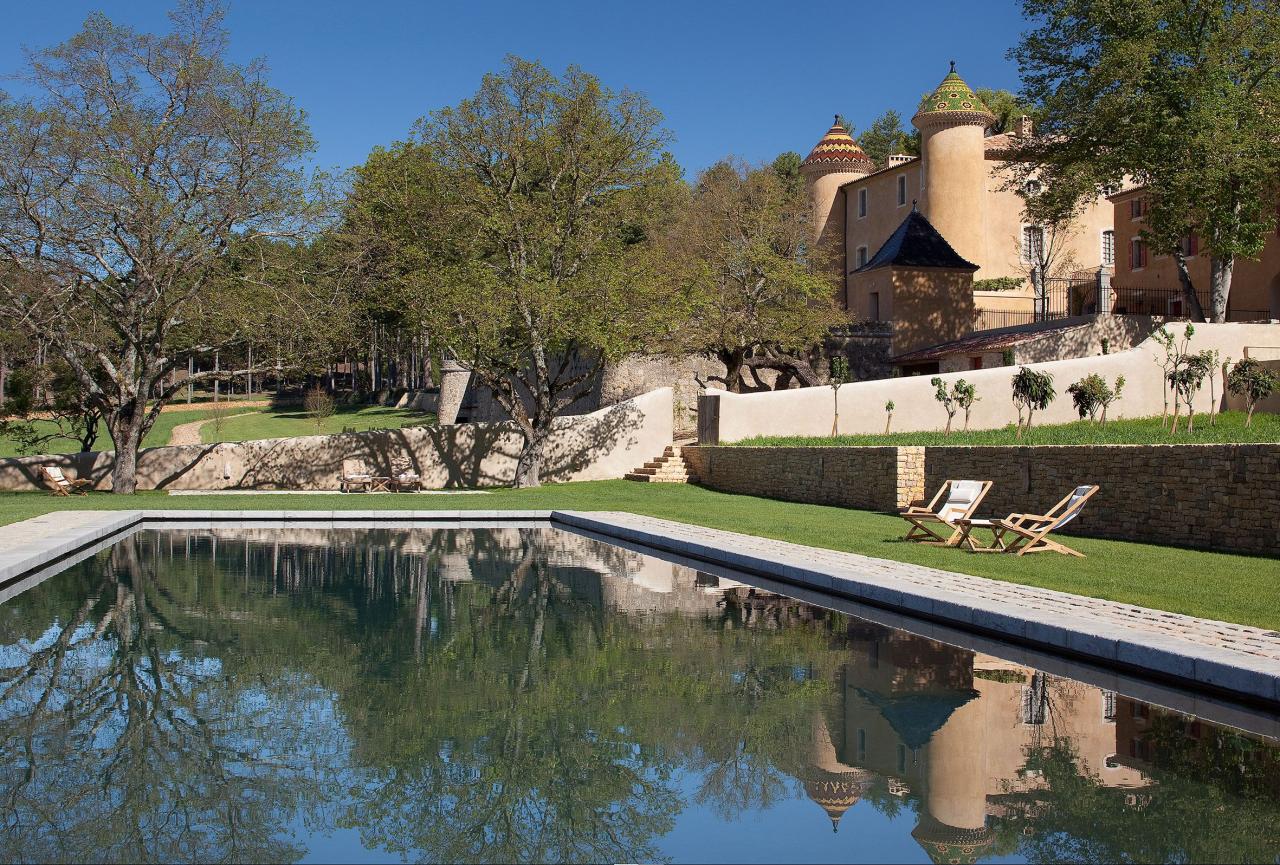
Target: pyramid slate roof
[917, 244]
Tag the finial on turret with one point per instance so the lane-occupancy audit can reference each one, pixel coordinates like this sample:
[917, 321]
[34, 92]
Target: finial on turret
[953, 66]
[913, 205]
[835, 121]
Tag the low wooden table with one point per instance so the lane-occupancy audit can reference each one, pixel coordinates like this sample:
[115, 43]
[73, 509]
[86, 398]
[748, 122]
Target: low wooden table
[381, 485]
[967, 539]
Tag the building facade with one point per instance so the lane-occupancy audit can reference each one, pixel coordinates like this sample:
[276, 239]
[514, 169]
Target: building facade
[960, 183]
[1148, 283]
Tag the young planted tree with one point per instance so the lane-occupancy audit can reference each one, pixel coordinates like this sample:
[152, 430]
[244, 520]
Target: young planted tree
[1253, 381]
[948, 399]
[527, 261]
[125, 177]
[1180, 97]
[839, 376]
[965, 395]
[319, 406]
[752, 294]
[888, 415]
[1186, 381]
[1092, 395]
[1032, 391]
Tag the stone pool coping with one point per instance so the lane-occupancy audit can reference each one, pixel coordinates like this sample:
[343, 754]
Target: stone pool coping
[1218, 657]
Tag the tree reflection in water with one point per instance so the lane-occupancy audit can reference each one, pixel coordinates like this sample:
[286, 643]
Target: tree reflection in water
[529, 695]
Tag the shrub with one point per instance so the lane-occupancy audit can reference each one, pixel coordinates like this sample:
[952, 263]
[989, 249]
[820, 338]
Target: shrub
[1091, 395]
[1032, 390]
[1253, 381]
[1006, 357]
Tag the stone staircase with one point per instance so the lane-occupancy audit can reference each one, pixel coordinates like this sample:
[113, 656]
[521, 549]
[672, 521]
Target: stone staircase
[670, 468]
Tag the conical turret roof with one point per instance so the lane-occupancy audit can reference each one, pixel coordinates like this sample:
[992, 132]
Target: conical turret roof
[955, 101]
[838, 150]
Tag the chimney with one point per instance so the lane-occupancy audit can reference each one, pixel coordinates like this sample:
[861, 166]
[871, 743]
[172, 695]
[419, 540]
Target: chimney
[899, 158]
[1025, 127]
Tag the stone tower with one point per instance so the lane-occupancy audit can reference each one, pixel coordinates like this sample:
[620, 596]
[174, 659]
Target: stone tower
[834, 161]
[951, 123]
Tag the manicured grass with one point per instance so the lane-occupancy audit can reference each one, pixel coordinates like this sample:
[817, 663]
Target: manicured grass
[1214, 585]
[159, 434]
[270, 423]
[1228, 428]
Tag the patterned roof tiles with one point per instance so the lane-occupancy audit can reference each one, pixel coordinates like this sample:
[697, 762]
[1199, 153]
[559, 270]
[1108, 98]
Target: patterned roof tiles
[953, 97]
[837, 149]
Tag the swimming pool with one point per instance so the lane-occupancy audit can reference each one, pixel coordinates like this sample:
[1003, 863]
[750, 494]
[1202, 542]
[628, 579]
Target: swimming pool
[524, 693]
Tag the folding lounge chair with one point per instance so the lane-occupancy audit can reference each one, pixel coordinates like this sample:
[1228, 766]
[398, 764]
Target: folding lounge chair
[962, 499]
[61, 485]
[354, 476]
[1028, 531]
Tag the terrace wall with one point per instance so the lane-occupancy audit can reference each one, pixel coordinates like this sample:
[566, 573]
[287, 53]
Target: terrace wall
[728, 417]
[604, 444]
[1224, 497]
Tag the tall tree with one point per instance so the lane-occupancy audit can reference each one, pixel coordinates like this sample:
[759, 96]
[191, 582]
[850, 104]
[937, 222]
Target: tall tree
[753, 296]
[139, 161]
[540, 189]
[1180, 96]
[886, 137]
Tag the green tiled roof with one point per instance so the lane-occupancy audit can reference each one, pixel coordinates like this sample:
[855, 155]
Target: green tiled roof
[953, 95]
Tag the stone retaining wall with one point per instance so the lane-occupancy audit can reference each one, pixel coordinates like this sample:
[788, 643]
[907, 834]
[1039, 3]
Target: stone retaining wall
[869, 478]
[604, 444]
[1224, 497]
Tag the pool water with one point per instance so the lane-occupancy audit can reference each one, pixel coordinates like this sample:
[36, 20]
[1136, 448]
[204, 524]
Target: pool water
[530, 695]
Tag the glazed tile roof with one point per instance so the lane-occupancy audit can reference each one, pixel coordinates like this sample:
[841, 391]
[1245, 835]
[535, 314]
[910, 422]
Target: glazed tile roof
[916, 243]
[953, 96]
[837, 148]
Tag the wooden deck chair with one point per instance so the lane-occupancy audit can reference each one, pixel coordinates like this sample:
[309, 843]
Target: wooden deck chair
[354, 477]
[1029, 531]
[61, 485]
[962, 499]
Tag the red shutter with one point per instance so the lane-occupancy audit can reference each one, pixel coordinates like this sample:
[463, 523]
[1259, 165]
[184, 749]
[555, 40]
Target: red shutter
[1193, 245]
[1132, 263]
[1142, 254]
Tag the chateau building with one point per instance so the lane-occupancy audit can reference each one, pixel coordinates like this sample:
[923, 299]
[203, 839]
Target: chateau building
[959, 188]
[1145, 282]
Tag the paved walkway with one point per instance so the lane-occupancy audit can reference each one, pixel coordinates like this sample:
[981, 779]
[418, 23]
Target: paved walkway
[189, 433]
[1218, 654]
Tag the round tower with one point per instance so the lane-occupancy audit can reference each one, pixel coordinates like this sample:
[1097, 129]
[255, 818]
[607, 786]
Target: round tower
[951, 124]
[834, 161]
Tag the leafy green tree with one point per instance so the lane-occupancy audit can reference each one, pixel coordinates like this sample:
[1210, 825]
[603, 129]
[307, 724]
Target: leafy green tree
[886, 137]
[1253, 381]
[749, 291]
[138, 161]
[535, 198]
[1092, 395]
[948, 398]
[1180, 97]
[787, 167]
[47, 405]
[1032, 391]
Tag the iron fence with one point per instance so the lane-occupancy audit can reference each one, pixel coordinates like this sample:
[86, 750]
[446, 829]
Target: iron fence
[1062, 298]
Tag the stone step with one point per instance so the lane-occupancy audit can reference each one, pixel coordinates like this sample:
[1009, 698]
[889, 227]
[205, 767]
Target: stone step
[670, 468]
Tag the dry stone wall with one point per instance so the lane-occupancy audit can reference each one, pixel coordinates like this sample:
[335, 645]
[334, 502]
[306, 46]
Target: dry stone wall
[1224, 497]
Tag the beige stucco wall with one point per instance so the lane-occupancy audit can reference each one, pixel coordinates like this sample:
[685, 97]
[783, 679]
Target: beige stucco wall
[884, 214]
[1255, 285]
[932, 306]
[1221, 497]
[604, 444]
[955, 196]
[809, 411]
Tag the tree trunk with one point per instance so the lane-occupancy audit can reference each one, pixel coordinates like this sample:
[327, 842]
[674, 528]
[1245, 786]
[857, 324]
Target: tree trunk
[4, 375]
[1220, 271]
[125, 424]
[1195, 311]
[529, 465]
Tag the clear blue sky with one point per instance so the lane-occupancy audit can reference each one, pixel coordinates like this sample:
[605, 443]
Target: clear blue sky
[743, 78]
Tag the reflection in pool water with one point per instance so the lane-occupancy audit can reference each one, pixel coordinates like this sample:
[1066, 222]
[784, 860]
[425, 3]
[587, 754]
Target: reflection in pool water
[532, 695]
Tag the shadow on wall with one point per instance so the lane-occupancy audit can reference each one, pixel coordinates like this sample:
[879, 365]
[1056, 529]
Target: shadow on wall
[604, 444]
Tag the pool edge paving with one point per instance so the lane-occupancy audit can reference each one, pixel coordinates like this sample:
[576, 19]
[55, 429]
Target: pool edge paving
[1101, 632]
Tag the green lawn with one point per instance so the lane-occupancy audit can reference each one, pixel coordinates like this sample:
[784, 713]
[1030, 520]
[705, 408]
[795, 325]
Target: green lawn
[159, 434]
[270, 423]
[1214, 585]
[1229, 428]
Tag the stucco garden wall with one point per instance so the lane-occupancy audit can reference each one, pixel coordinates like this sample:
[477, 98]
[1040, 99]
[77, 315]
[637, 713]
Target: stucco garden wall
[604, 444]
[809, 411]
[1224, 497]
